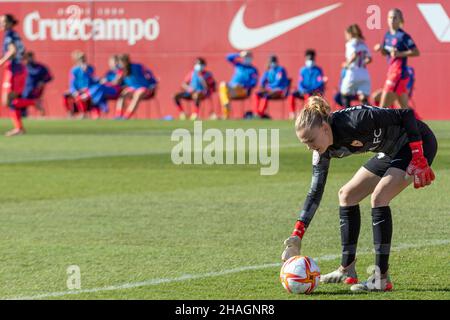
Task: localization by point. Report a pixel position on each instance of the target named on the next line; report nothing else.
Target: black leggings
(197, 97)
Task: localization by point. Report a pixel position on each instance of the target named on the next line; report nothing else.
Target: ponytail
(355, 31)
(316, 111)
(11, 19)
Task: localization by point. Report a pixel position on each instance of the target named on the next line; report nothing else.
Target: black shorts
(381, 162)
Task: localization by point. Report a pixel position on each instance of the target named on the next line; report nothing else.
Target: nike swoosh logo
(377, 223)
(437, 19)
(243, 38)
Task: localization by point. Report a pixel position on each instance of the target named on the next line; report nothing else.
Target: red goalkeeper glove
(299, 229)
(294, 242)
(418, 167)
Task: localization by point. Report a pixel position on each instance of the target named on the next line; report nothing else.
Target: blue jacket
(36, 73)
(310, 79)
(244, 75)
(202, 81)
(275, 79)
(140, 77)
(81, 79)
(100, 93)
(110, 75)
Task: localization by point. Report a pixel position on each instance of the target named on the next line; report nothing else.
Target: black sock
(382, 235)
(350, 223)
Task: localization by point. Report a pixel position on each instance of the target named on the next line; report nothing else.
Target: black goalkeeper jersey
(356, 130)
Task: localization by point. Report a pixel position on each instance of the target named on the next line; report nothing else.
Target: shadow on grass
(347, 292)
(338, 292)
(430, 290)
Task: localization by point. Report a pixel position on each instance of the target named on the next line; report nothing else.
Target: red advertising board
(168, 35)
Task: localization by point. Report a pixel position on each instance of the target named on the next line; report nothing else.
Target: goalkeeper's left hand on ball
(294, 242)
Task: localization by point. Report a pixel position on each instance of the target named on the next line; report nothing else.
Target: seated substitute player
(198, 85)
(38, 76)
(311, 81)
(397, 46)
(108, 88)
(140, 84)
(405, 148)
(81, 78)
(14, 74)
(273, 85)
(244, 79)
(113, 78)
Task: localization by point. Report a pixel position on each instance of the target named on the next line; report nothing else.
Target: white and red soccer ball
(300, 274)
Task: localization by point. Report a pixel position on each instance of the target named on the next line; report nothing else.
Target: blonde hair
(78, 55)
(315, 113)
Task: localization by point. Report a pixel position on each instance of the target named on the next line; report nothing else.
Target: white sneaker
(341, 275)
(194, 116)
(182, 116)
(374, 283)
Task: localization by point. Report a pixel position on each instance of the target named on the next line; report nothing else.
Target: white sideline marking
(187, 277)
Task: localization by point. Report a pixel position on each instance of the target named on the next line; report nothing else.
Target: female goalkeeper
(405, 149)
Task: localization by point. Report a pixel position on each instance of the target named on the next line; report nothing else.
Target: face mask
(248, 60)
(309, 63)
(273, 65)
(199, 67)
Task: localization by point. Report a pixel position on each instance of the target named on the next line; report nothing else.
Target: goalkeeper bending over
(405, 149)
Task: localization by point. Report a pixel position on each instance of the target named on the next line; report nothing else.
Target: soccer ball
(300, 274)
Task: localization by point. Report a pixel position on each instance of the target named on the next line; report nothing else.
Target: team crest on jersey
(357, 143)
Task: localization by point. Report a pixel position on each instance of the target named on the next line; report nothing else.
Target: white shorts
(356, 82)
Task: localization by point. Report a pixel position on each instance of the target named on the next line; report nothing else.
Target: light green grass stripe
(187, 277)
(128, 154)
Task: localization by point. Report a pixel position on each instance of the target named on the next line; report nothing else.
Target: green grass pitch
(105, 196)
